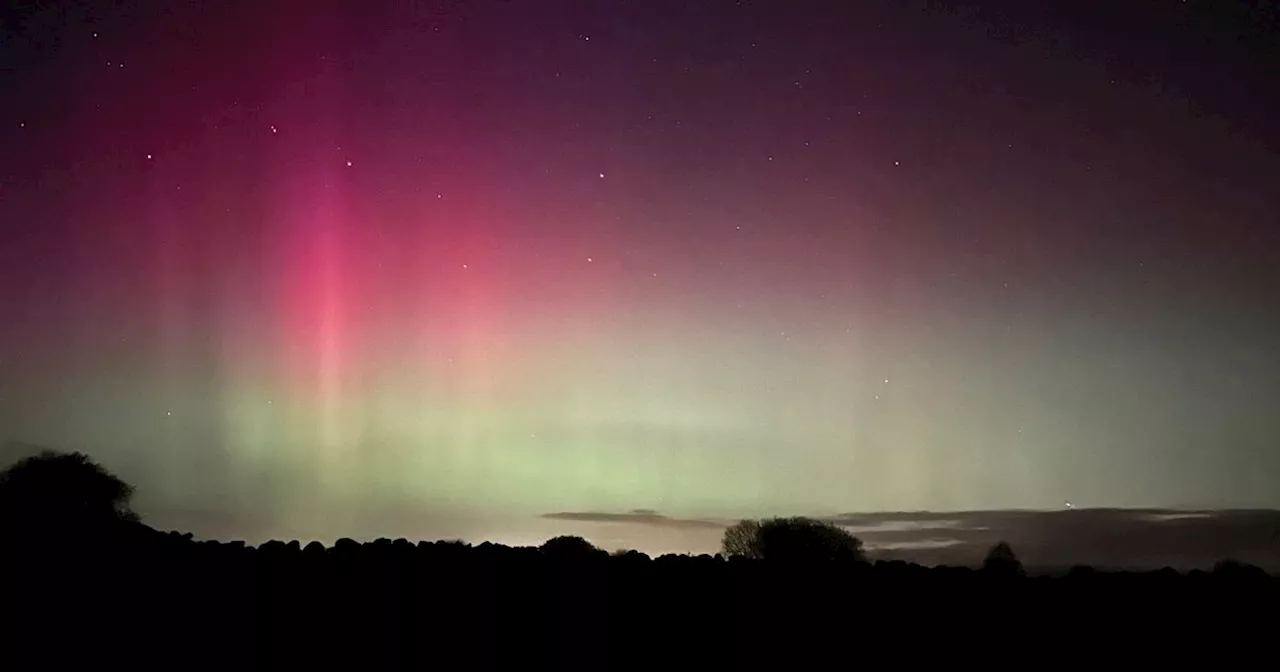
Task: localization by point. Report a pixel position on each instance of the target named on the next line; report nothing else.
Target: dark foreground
(157, 601)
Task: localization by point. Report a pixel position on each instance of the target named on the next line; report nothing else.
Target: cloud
(638, 517)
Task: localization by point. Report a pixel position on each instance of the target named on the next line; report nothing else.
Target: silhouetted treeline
(152, 596)
(130, 597)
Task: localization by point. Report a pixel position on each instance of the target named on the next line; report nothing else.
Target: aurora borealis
(334, 268)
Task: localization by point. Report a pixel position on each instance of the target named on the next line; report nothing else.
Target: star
(348, 164)
(589, 260)
(148, 157)
(273, 129)
(896, 163)
(168, 412)
(464, 265)
(601, 175)
(886, 381)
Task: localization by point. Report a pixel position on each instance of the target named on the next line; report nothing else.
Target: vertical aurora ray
(311, 271)
(315, 308)
(172, 264)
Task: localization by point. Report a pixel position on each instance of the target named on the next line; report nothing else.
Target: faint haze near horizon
(1045, 539)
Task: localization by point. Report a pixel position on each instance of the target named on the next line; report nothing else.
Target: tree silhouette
(54, 492)
(791, 539)
(1002, 560)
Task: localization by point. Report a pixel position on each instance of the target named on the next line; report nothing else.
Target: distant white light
(589, 260)
(148, 157)
(348, 164)
(1069, 506)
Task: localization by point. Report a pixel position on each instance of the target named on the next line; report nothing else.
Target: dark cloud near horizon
(1103, 537)
(1122, 538)
(636, 516)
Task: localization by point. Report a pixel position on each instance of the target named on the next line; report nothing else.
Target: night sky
(333, 268)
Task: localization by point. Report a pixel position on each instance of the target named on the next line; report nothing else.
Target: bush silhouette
(570, 548)
(1002, 560)
(791, 539)
(54, 492)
